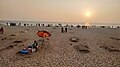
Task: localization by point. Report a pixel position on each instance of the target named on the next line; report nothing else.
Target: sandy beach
(95, 47)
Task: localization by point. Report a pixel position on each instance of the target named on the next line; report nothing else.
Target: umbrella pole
(43, 40)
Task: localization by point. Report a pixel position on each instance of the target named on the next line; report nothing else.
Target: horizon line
(63, 22)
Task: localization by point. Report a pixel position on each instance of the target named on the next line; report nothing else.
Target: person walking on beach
(1, 30)
(66, 29)
(62, 30)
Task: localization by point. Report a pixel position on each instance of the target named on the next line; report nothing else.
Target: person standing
(66, 29)
(62, 30)
(2, 30)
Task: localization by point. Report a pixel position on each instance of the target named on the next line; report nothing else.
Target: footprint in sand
(8, 47)
(17, 41)
(114, 38)
(20, 41)
(82, 48)
(12, 35)
(109, 48)
(4, 38)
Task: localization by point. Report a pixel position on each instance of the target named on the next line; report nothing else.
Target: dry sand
(94, 48)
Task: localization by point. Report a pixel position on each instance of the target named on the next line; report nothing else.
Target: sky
(93, 11)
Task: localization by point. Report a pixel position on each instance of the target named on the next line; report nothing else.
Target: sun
(88, 14)
(87, 24)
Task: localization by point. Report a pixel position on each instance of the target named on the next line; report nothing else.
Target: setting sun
(88, 14)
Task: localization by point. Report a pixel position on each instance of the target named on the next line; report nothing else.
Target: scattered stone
(110, 48)
(17, 42)
(1, 49)
(70, 44)
(114, 38)
(4, 38)
(114, 50)
(7, 38)
(12, 35)
(84, 51)
(11, 46)
(104, 47)
(84, 46)
(74, 39)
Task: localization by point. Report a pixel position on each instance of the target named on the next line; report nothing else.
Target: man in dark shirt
(66, 29)
(62, 30)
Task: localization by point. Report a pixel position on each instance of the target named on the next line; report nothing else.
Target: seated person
(33, 46)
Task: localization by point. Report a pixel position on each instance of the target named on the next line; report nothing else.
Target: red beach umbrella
(43, 34)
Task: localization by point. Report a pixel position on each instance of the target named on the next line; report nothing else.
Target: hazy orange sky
(61, 10)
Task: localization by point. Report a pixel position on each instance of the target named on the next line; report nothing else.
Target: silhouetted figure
(62, 30)
(24, 24)
(118, 27)
(12, 24)
(66, 29)
(7, 24)
(19, 24)
(38, 24)
(78, 26)
(1, 30)
(84, 27)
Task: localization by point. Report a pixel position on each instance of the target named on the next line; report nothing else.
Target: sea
(35, 23)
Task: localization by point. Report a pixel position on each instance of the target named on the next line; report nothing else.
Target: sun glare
(88, 14)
